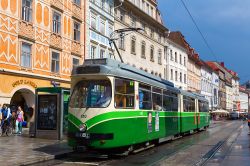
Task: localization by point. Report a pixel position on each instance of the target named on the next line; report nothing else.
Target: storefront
(17, 90)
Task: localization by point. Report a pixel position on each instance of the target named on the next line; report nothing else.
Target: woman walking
(20, 120)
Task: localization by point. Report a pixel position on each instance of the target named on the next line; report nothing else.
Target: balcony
(26, 30)
(76, 47)
(58, 4)
(77, 12)
(56, 40)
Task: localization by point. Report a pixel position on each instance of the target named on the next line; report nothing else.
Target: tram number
(82, 135)
(83, 116)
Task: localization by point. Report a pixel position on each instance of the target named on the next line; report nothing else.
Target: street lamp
(121, 2)
(122, 34)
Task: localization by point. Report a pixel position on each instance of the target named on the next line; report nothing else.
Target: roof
(178, 38)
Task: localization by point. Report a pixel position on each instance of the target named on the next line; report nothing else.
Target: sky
(224, 23)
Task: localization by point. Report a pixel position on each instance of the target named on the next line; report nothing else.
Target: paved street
(22, 150)
(224, 143)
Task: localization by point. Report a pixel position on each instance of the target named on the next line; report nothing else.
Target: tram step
(143, 148)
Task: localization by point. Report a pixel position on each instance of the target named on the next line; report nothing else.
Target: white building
(100, 18)
(177, 60)
(215, 90)
(143, 49)
(243, 100)
(206, 83)
(236, 93)
(229, 97)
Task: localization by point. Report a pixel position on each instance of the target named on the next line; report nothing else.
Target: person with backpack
(6, 115)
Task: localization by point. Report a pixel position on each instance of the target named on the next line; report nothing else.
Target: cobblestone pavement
(22, 150)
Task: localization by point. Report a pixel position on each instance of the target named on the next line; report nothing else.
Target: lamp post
(122, 34)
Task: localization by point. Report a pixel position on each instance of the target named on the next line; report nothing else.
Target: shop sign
(24, 82)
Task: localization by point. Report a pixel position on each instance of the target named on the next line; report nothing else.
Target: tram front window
(91, 94)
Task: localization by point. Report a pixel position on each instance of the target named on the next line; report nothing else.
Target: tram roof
(115, 68)
(194, 95)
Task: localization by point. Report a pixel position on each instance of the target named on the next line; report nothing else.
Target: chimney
(222, 64)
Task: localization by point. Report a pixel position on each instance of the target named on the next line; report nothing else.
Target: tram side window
(157, 99)
(124, 93)
(203, 106)
(188, 104)
(145, 102)
(170, 101)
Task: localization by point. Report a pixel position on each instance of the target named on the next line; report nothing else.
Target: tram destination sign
(88, 69)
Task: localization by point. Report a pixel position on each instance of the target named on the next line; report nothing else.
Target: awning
(220, 112)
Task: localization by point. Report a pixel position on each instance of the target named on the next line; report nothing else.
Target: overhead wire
(203, 37)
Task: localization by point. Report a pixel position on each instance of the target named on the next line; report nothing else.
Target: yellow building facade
(40, 42)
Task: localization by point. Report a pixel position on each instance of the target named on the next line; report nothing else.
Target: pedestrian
(1, 116)
(20, 119)
(6, 115)
(248, 122)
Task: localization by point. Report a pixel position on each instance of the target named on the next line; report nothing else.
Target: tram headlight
(83, 127)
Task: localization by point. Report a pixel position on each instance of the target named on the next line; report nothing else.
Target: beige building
(143, 49)
(194, 72)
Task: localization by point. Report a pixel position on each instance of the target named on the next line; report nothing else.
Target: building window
(76, 31)
(56, 23)
(110, 29)
(159, 57)
(102, 53)
(147, 9)
(184, 61)
(143, 49)
(143, 5)
(175, 54)
(26, 55)
(176, 76)
(122, 43)
(102, 26)
(27, 10)
(152, 33)
(122, 16)
(171, 74)
(55, 62)
(133, 45)
(75, 62)
(152, 53)
(77, 2)
(133, 22)
(171, 55)
(93, 21)
(185, 78)
(92, 52)
(180, 77)
(102, 4)
(180, 59)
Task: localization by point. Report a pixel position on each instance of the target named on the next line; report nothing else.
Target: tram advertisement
(157, 122)
(149, 122)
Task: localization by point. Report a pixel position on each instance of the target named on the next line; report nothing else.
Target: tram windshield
(91, 94)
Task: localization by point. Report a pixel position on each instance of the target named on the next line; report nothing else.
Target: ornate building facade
(144, 49)
(40, 42)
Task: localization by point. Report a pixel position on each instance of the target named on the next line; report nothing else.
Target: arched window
(152, 72)
(175, 54)
(152, 53)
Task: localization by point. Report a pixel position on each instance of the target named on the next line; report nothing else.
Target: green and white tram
(114, 105)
